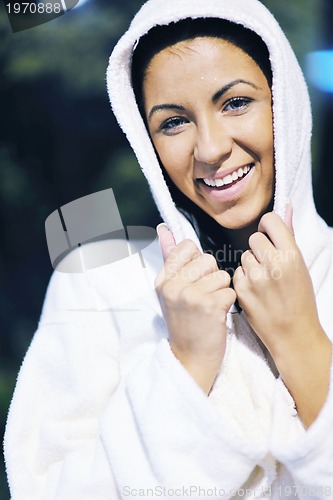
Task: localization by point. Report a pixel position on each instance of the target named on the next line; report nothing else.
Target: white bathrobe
(102, 408)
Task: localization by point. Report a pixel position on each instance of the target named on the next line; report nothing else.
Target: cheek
(267, 134)
(174, 154)
(268, 137)
(258, 135)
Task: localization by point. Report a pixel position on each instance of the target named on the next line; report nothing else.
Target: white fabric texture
(102, 408)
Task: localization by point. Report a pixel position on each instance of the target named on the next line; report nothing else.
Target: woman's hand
(274, 287)
(195, 297)
(275, 290)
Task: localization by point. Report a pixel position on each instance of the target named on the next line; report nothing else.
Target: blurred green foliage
(59, 141)
(301, 21)
(70, 48)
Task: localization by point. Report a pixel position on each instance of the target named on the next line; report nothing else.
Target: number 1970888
(33, 8)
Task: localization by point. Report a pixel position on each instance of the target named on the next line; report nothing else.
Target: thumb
(166, 239)
(288, 218)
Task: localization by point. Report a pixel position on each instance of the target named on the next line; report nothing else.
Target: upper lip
(224, 173)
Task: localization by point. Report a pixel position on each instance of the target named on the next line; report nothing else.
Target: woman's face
(208, 108)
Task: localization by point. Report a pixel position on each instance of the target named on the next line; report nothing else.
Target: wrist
(305, 370)
(202, 368)
(299, 346)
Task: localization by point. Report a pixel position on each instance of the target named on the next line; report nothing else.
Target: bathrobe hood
(291, 111)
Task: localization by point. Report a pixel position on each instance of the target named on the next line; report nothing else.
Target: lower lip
(229, 193)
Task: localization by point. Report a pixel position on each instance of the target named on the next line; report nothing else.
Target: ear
(166, 239)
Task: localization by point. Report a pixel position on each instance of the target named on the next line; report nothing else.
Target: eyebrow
(227, 87)
(159, 107)
(215, 97)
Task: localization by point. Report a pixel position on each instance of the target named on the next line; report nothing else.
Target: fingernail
(161, 227)
(289, 206)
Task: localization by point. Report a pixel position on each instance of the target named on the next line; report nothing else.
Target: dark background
(59, 141)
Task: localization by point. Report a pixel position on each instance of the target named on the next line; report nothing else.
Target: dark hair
(161, 37)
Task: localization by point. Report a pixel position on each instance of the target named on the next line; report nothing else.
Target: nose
(213, 142)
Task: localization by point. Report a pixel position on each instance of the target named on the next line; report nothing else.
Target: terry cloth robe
(103, 409)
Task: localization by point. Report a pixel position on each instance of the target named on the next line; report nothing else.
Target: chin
(241, 219)
(236, 225)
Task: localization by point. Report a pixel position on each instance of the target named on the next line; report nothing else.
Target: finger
(178, 257)
(198, 267)
(251, 267)
(288, 218)
(220, 299)
(238, 276)
(212, 282)
(273, 226)
(226, 298)
(166, 239)
(240, 284)
(261, 247)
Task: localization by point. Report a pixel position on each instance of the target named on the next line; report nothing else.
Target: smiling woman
(205, 97)
(168, 389)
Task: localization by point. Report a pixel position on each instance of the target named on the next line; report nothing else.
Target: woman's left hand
(274, 288)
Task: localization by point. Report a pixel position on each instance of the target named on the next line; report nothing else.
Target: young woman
(177, 391)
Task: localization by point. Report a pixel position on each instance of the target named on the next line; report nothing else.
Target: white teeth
(228, 179)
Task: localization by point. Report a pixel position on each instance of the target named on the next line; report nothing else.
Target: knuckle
(237, 274)
(226, 279)
(209, 305)
(232, 296)
(187, 297)
(257, 275)
(245, 256)
(267, 218)
(240, 285)
(209, 260)
(168, 290)
(255, 238)
(191, 299)
(191, 273)
(184, 251)
(189, 245)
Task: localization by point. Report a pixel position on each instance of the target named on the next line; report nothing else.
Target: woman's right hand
(195, 297)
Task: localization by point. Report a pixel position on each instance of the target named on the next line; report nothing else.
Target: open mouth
(229, 180)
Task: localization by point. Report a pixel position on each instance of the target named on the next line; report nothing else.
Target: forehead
(202, 59)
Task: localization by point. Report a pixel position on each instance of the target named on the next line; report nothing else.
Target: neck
(231, 244)
(228, 245)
